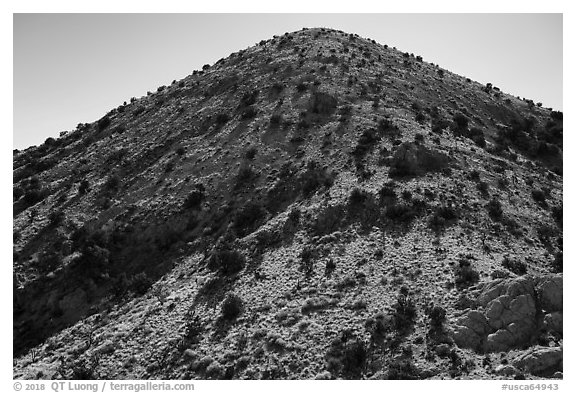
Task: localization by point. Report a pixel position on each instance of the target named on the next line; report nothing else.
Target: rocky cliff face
(318, 205)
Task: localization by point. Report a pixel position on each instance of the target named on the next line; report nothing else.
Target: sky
(73, 68)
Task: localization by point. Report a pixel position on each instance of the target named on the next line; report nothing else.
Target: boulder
(506, 370)
(540, 361)
(554, 322)
(549, 291)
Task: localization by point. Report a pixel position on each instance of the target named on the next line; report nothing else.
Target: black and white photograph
(287, 196)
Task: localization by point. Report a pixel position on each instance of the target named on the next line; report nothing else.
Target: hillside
(318, 205)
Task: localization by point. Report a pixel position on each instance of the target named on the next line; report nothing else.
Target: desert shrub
(347, 354)
(195, 198)
(307, 257)
(514, 265)
(400, 212)
(403, 311)
(301, 87)
(368, 139)
(482, 187)
(322, 103)
(546, 232)
(33, 196)
(420, 117)
(248, 99)
(315, 177)
(103, 123)
(387, 194)
(140, 283)
(193, 329)
(465, 274)
(221, 119)
(442, 216)
(494, 208)
(460, 122)
(275, 119)
(539, 196)
(247, 217)
(180, 151)
(84, 187)
(251, 153)
(477, 136)
(112, 183)
(557, 115)
(437, 317)
(55, 218)
(249, 113)
(245, 174)
(403, 369)
(357, 197)
(226, 260)
(231, 307)
(438, 125)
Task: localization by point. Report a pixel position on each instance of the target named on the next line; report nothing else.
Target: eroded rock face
(510, 313)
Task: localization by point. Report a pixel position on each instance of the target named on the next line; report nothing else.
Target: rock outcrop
(510, 313)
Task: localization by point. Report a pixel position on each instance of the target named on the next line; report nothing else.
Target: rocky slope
(318, 205)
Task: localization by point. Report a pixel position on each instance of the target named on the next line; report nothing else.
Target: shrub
(482, 187)
(323, 103)
(227, 261)
(33, 196)
(84, 187)
(251, 153)
(246, 218)
(477, 136)
(347, 354)
(301, 87)
(221, 119)
(195, 198)
(315, 177)
(460, 121)
(403, 369)
(354, 356)
(420, 117)
(140, 283)
(245, 174)
(494, 208)
(249, 113)
(387, 194)
(112, 183)
(56, 217)
(404, 311)
(275, 120)
(515, 266)
(357, 197)
(231, 307)
(465, 274)
(539, 196)
(400, 212)
(103, 123)
(248, 99)
(442, 216)
(437, 315)
(307, 257)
